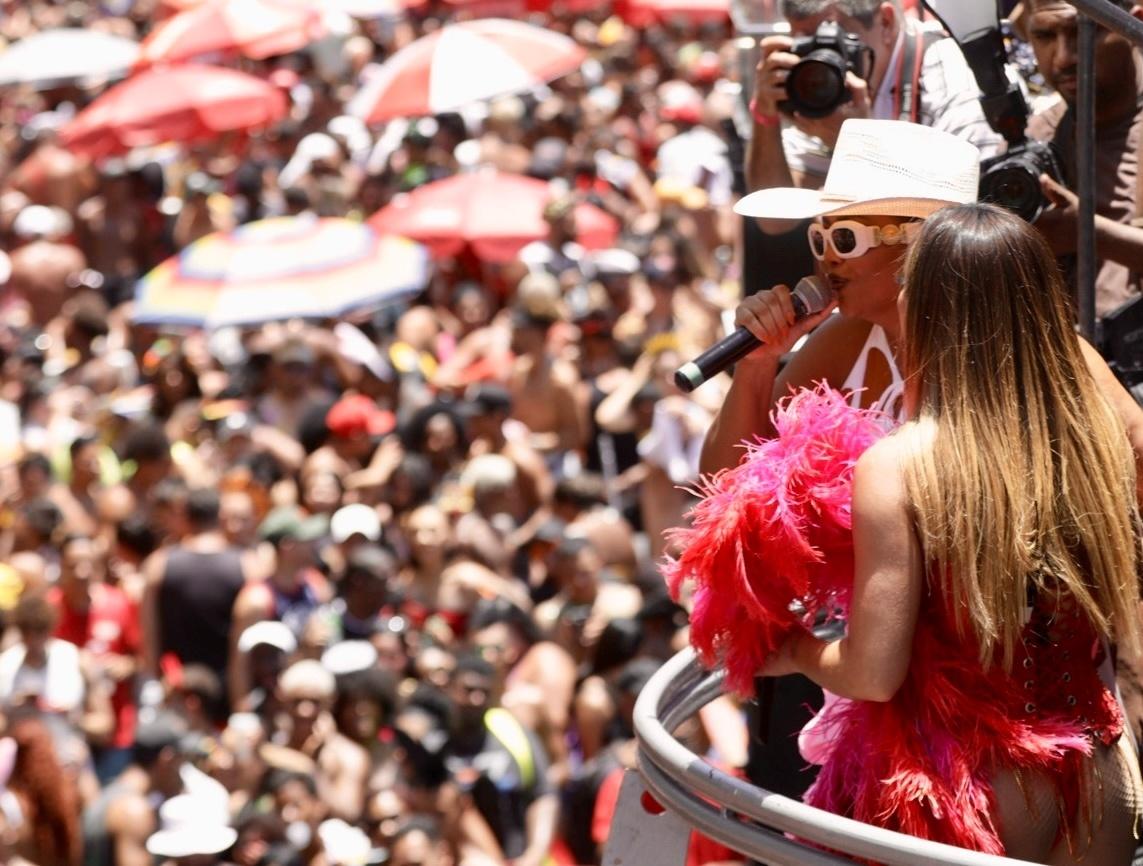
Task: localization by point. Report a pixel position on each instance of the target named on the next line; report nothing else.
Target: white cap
(613, 262)
(356, 519)
(269, 632)
(41, 221)
(349, 656)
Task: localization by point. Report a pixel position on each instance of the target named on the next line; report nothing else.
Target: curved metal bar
(749, 839)
(678, 690)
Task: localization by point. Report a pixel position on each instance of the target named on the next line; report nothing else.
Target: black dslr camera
(816, 86)
(1012, 179)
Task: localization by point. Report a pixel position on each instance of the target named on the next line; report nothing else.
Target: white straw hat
(880, 168)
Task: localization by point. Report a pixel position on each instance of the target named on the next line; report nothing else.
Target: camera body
(816, 85)
(1012, 179)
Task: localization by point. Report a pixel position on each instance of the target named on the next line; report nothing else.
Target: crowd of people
(384, 589)
(379, 590)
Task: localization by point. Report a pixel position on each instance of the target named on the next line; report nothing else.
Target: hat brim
(191, 841)
(792, 203)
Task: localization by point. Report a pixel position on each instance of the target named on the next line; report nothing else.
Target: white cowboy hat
(880, 168)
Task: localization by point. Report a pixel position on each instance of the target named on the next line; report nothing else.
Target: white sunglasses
(851, 239)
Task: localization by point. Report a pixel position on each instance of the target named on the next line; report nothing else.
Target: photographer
(1051, 28)
(943, 96)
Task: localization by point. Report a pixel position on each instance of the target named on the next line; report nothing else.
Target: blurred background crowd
(375, 582)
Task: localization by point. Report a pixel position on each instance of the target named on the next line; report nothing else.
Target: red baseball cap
(358, 415)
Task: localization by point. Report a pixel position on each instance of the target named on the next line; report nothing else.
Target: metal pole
(1085, 178)
(1112, 17)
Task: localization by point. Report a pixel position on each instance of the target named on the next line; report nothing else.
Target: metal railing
(756, 822)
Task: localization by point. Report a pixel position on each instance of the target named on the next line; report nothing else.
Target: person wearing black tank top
(190, 590)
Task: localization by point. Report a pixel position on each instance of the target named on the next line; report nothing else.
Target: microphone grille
(814, 292)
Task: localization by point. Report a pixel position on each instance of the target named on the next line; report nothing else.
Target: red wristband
(763, 119)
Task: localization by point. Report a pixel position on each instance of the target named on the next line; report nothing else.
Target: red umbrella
(354, 8)
(643, 13)
(183, 104)
(253, 28)
(496, 213)
(490, 8)
(464, 63)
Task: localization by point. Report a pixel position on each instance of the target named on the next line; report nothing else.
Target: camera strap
(908, 91)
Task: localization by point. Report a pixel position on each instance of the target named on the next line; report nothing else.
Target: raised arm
(745, 413)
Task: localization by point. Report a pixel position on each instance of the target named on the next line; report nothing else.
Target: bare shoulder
(828, 355)
(564, 375)
(880, 472)
(547, 659)
(130, 815)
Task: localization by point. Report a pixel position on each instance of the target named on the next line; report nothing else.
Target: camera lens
(1014, 187)
(816, 86)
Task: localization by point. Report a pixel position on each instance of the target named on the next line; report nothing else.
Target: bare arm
(249, 608)
(1114, 241)
(342, 782)
(540, 822)
(149, 614)
(766, 165)
(614, 413)
(870, 663)
(1130, 412)
(281, 446)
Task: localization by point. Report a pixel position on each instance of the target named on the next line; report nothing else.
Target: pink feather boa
(771, 541)
(773, 531)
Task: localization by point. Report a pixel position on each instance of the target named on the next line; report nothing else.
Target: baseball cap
(268, 633)
(294, 352)
(349, 656)
(355, 519)
(358, 415)
(289, 521)
(164, 730)
(613, 263)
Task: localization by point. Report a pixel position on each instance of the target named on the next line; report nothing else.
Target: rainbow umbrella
(280, 268)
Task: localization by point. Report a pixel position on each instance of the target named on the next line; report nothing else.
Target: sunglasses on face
(851, 239)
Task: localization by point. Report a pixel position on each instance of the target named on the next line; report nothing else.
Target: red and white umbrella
(181, 103)
(494, 213)
(252, 28)
(464, 63)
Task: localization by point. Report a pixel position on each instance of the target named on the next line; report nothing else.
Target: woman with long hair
(39, 804)
(997, 567)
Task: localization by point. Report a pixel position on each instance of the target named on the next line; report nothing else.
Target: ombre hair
(1023, 476)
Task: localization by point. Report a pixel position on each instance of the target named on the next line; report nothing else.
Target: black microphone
(811, 295)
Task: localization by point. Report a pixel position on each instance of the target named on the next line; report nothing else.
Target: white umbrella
(67, 54)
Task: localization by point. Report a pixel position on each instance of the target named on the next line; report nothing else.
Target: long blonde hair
(1023, 476)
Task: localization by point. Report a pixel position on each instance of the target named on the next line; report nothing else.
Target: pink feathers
(772, 532)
